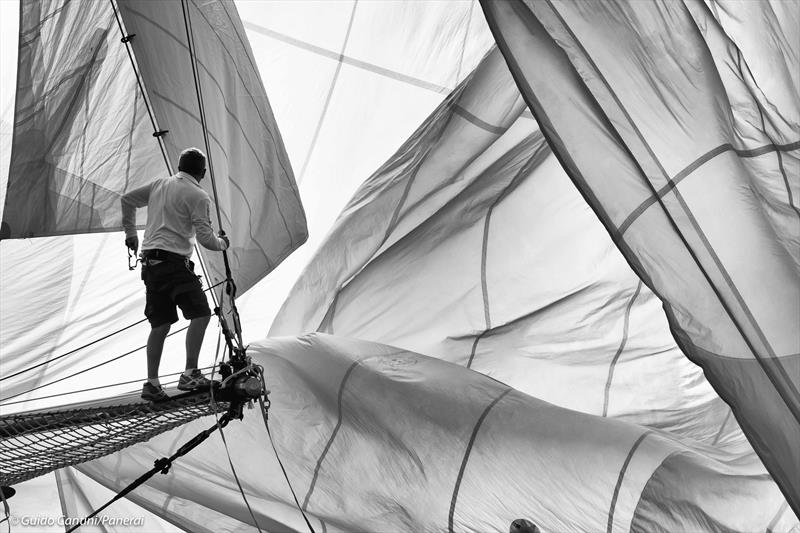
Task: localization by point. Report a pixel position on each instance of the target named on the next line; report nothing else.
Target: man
(177, 210)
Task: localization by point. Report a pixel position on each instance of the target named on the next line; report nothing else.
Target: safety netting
(35, 443)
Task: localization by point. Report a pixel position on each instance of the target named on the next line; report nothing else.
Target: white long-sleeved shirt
(177, 210)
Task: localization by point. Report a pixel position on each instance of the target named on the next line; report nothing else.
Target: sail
(376, 438)
(85, 119)
(474, 217)
(205, 90)
(685, 139)
(349, 81)
(81, 131)
(481, 252)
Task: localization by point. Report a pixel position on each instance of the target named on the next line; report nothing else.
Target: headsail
(691, 158)
(83, 126)
(81, 132)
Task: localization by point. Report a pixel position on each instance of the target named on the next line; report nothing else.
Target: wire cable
(264, 414)
(109, 386)
(161, 465)
(79, 348)
(224, 441)
(2, 400)
(157, 133)
(231, 286)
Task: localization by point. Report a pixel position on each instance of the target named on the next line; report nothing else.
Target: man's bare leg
(155, 345)
(194, 340)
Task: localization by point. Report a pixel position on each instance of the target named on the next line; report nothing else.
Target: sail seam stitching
(491, 128)
(697, 163)
(328, 97)
(465, 459)
(335, 432)
(623, 342)
(363, 65)
(620, 479)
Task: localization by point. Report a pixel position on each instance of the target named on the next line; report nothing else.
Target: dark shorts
(170, 284)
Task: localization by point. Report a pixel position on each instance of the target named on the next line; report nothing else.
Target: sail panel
(711, 232)
(382, 439)
(81, 132)
(474, 217)
(256, 193)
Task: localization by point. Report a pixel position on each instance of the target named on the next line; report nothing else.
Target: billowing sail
(684, 137)
(85, 117)
(82, 136)
(482, 252)
(376, 438)
(191, 53)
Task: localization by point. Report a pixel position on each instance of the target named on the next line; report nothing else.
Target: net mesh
(33, 444)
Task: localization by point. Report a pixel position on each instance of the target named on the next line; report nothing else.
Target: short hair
(192, 161)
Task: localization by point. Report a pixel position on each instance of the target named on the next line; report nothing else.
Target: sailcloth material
(376, 438)
(82, 136)
(683, 134)
(430, 258)
(255, 188)
(481, 252)
(84, 124)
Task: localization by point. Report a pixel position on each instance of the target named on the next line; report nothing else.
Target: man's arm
(130, 202)
(201, 220)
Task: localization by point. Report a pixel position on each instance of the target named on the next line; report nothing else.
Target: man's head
(193, 162)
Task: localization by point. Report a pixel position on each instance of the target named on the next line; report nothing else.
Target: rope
(161, 465)
(264, 415)
(231, 286)
(111, 385)
(85, 369)
(222, 434)
(187, 20)
(126, 39)
(79, 348)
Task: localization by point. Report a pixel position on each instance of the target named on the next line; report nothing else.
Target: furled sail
(84, 123)
(684, 137)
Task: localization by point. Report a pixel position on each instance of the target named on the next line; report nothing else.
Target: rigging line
(161, 465)
(85, 369)
(150, 113)
(110, 385)
(79, 348)
(206, 275)
(225, 442)
(265, 417)
(128, 46)
(230, 461)
(231, 287)
(187, 20)
(28, 369)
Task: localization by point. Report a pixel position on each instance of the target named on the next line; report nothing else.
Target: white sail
(659, 120)
(349, 82)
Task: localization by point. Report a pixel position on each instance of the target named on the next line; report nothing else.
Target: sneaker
(194, 382)
(152, 393)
